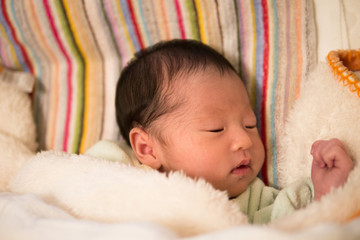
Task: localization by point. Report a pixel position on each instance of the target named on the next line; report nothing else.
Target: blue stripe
(273, 94)
(28, 46)
(259, 59)
(25, 42)
(36, 58)
(143, 22)
(9, 35)
(129, 24)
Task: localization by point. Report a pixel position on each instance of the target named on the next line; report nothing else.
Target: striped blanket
(76, 50)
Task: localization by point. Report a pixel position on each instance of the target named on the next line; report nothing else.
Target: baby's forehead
(181, 84)
(190, 85)
(186, 77)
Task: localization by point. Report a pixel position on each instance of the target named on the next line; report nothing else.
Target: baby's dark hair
(140, 96)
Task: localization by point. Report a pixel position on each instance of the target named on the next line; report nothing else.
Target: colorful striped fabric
(76, 50)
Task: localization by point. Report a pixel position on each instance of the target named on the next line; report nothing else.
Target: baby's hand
(331, 166)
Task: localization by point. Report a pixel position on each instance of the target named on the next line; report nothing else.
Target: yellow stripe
(123, 23)
(86, 74)
(92, 76)
(12, 50)
(202, 31)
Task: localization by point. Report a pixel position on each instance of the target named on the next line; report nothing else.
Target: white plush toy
(17, 127)
(328, 107)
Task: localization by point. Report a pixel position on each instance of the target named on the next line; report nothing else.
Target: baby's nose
(242, 141)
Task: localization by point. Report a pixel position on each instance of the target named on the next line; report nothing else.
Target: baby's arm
(331, 166)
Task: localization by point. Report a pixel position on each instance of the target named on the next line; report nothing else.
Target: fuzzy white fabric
(28, 217)
(325, 109)
(338, 206)
(16, 116)
(13, 156)
(96, 189)
(17, 130)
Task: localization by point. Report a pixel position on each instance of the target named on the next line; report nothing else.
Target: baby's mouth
(243, 168)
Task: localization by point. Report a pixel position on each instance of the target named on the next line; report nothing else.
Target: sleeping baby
(181, 106)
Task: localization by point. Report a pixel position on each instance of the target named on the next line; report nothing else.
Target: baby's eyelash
(251, 127)
(216, 130)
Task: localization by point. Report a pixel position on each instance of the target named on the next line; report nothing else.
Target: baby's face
(213, 134)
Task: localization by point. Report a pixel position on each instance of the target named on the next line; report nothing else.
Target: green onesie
(264, 204)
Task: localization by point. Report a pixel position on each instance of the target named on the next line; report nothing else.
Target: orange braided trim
(343, 62)
(356, 215)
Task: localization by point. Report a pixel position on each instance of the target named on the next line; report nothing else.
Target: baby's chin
(234, 194)
(237, 190)
(234, 191)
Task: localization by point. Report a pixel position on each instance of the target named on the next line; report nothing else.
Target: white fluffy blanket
(96, 189)
(54, 195)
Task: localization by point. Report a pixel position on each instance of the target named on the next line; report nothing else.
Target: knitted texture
(343, 63)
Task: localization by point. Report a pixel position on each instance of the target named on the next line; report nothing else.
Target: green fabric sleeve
(298, 195)
(264, 204)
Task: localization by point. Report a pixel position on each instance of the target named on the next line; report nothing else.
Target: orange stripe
(166, 20)
(298, 48)
(355, 215)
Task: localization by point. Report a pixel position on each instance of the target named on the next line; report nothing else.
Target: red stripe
(133, 19)
(265, 81)
(22, 49)
(180, 19)
(68, 74)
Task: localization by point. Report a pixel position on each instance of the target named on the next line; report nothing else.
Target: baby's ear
(142, 145)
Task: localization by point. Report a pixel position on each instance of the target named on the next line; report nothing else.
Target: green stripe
(80, 76)
(190, 6)
(238, 38)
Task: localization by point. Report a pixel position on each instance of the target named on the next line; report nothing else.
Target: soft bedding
(54, 194)
(19, 221)
(73, 50)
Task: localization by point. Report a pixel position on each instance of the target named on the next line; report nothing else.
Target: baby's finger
(315, 146)
(317, 152)
(319, 162)
(334, 142)
(331, 152)
(337, 157)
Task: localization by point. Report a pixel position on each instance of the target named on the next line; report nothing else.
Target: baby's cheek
(259, 153)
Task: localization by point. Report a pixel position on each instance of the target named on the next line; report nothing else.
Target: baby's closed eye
(217, 130)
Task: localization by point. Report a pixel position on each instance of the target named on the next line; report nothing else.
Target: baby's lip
(243, 167)
(244, 162)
